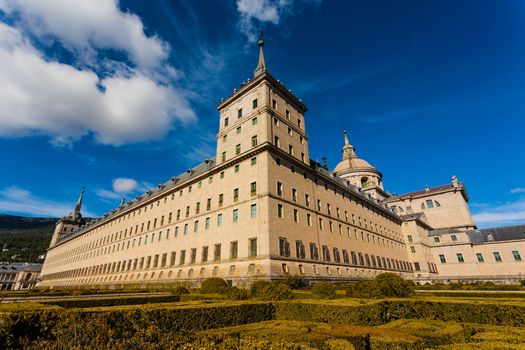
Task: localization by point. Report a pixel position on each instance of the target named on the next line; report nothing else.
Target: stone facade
(19, 276)
(261, 209)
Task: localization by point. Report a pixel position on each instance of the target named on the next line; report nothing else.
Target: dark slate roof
(198, 170)
(412, 216)
(497, 234)
(139, 200)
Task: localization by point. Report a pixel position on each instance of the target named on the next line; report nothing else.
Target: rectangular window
(237, 168)
(254, 103)
(307, 200)
(223, 156)
(235, 195)
(238, 130)
(453, 237)
(417, 267)
(346, 258)
(235, 215)
(182, 257)
(321, 223)
(193, 255)
(294, 194)
(173, 256)
(460, 257)
(442, 259)
(219, 220)
(299, 250)
(409, 237)
(204, 253)
(480, 258)
(326, 253)
(274, 104)
(290, 150)
(284, 247)
(198, 208)
(208, 204)
(207, 223)
(187, 212)
(237, 149)
(234, 249)
(253, 188)
(226, 122)
(314, 254)
(279, 189)
(412, 249)
(252, 247)
(239, 113)
(309, 219)
(497, 256)
(337, 257)
(185, 228)
(280, 211)
(253, 161)
(196, 226)
(224, 138)
(296, 215)
(288, 114)
(516, 255)
(253, 211)
(217, 252)
(221, 200)
(254, 141)
(276, 141)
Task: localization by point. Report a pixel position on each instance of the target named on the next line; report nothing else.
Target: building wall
(418, 249)
(471, 268)
(452, 212)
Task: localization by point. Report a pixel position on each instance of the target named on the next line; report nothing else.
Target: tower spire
(76, 215)
(348, 149)
(346, 137)
(261, 67)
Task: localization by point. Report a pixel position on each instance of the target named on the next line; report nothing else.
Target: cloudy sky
(118, 96)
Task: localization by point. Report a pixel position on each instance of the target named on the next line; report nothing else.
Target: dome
(353, 164)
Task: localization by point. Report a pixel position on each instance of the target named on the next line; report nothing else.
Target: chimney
(324, 163)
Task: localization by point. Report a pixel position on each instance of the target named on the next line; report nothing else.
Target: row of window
(152, 224)
(294, 196)
(143, 240)
(356, 257)
(160, 260)
(480, 258)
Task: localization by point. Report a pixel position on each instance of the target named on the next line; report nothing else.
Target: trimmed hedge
(323, 290)
(213, 285)
(386, 311)
(84, 303)
(76, 328)
(275, 291)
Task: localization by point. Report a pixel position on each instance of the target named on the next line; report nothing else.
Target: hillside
(23, 239)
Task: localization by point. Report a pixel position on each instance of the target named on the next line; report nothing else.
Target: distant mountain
(24, 239)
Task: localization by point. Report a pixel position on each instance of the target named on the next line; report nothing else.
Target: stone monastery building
(261, 209)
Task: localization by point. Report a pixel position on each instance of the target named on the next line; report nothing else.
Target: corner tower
(261, 112)
(69, 223)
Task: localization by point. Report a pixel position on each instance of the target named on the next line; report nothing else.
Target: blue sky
(119, 96)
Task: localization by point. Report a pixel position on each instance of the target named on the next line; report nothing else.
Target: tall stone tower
(262, 111)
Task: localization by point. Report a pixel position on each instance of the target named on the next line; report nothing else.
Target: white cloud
(253, 12)
(122, 187)
(517, 190)
(502, 214)
(66, 103)
(87, 25)
(14, 199)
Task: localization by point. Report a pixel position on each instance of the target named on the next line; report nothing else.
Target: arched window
(437, 204)
(429, 203)
(422, 205)
(364, 182)
(394, 209)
